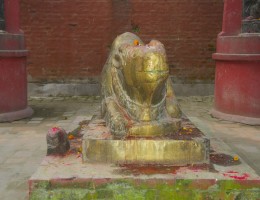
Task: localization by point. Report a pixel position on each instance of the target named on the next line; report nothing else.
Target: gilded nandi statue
(137, 94)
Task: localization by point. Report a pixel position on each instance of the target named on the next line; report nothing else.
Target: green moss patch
(133, 190)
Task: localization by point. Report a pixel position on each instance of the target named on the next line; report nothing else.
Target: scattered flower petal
(136, 42)
(236, 158)
(71, 137)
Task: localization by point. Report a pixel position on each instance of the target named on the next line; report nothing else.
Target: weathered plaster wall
(69, 40)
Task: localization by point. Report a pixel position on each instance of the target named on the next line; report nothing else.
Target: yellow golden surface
(140, 110)
(173, 152)
(138, 97)
(155, 128)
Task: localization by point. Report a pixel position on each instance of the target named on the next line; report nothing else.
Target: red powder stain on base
(230, 174)
(136, 169)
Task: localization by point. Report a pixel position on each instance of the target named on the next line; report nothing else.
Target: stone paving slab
(23, 144)
(239, 136)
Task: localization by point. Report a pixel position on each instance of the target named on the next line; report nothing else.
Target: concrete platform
(226, 177)
(68, 178)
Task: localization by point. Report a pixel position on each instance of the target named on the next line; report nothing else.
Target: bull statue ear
(118, 60)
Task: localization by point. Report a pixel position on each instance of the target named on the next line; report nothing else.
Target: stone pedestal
(67, 177)
(183, 148)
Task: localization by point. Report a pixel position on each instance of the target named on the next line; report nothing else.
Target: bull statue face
(145, 73)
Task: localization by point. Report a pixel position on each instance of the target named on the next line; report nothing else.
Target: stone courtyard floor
(23, 142)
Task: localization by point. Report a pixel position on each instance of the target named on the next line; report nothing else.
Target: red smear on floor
(244, 176)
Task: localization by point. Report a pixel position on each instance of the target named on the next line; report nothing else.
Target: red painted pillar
(232, 17)
(13, 75)
(237, 82)
(12, 16)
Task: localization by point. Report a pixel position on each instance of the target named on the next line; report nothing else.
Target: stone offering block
(188, 146)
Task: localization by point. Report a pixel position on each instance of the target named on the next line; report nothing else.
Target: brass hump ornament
(137, 94)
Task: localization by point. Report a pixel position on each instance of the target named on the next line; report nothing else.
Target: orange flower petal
(136, 42)
(236, 158)
(71, 137)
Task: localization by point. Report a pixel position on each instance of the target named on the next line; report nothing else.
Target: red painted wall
(70, 40)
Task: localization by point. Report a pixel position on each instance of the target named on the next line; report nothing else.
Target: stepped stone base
(67, 177)
(180, 149)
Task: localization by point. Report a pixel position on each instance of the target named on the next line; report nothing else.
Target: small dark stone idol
(57, 141)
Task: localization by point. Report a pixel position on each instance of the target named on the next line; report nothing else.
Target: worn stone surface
(68, 90)
(180, 149)
(23, 144)
(68, 176)
(20, 138)
(230, 132)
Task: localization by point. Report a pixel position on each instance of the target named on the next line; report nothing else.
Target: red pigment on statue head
(55, 129)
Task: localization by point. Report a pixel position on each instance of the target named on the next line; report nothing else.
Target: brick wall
(70, 40)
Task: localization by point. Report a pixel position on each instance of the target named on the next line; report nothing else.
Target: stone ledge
(64, 177)
(81, 89)
(235, 118)
(16, 115)
(63, 89)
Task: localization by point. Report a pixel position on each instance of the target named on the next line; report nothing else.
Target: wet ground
(23, 142)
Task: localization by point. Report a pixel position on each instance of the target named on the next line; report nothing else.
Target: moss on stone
(131, 190)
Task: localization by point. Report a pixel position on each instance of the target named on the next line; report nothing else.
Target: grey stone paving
(243, 139)
(23, 145)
